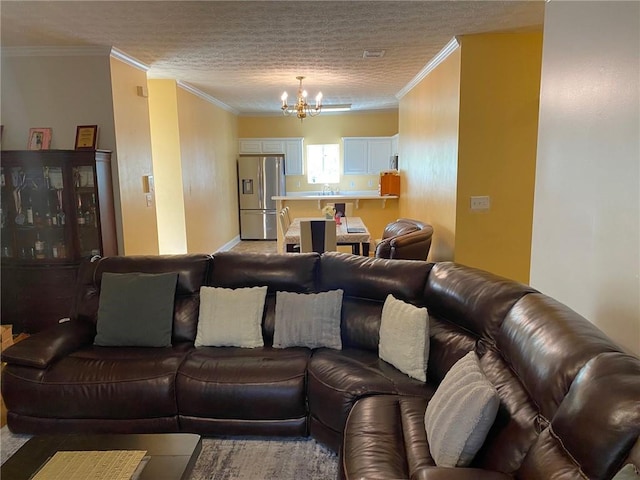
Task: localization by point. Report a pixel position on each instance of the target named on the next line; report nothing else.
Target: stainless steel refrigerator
(259, 179)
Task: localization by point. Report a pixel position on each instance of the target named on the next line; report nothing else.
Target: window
(323, 164)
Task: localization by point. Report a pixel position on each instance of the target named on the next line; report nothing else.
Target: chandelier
(301, 108)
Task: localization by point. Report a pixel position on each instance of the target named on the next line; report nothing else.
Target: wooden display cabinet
(56, 210)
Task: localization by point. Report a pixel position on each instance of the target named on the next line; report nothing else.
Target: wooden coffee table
(173, 455)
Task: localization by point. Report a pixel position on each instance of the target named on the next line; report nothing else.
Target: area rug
(241, 458)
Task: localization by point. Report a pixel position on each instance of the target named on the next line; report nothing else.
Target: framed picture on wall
(39, 139)
(86, 137)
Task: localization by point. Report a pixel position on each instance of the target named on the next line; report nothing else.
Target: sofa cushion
(136, 310)
(337, 379)
(99, 383)
(404, 337)
(460, 414)
(243, 384)
(231, 317)
(400, 227)
(308, 320)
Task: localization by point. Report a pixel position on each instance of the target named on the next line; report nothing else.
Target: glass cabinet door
(87, 211)
(35, 213)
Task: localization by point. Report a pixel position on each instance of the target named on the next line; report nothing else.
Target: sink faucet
(326, 189)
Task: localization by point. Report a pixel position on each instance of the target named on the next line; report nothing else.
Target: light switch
(480, 203)
(149, 197)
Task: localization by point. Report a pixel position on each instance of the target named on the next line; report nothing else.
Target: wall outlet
(298, 184)
(352, 184)
(370, 183)
(480, 203)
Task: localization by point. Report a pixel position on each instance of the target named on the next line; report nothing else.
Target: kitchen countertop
(348, 195)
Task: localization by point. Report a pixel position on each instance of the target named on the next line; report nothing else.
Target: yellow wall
(167, 166)
(499, 92)
(326, 128)
(428, 156)
(133, 144)
(208, 146)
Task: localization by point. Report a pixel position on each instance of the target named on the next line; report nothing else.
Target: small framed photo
(39, 139)
(86, 137)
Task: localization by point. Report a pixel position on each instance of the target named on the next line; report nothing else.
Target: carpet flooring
(241, 458)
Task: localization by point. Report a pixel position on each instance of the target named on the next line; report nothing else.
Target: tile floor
(256, 246)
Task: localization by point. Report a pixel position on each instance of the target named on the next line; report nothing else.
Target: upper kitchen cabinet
(56, 209)
(367, 155)
(290, 147)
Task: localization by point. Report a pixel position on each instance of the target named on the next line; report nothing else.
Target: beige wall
(428, 157)
(586, 226)
(59, 91)
(208, 146)
(133, 143)
(167, 166)
(499, 91)
(326, 128)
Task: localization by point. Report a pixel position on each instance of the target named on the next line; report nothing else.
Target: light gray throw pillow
(404, 337)
(308, 320)
(628, 472)
(461, 413)
(231, 317)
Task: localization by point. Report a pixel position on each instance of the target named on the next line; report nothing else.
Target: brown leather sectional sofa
(570, 398)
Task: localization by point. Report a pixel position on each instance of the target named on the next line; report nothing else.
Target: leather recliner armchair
(405, 239)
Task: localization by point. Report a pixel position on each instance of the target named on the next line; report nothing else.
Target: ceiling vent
(373, 54)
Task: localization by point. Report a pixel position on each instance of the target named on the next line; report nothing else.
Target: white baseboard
(230, 244)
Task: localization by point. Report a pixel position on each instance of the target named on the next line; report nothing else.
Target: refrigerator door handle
(260, 185)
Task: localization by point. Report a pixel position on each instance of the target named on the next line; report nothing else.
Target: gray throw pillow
(308, 320)
(136, 310)
(628, 472)
(461, 413)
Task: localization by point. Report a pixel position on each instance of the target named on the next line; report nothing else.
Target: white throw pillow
(308, 320)
(461, 413)
(231, 317)
(404, 337)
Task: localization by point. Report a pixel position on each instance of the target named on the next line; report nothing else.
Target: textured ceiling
(245, 53)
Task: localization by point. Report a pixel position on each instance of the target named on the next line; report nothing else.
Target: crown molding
(448, 49)
(55, 51)
(207, 97)
(128, 59)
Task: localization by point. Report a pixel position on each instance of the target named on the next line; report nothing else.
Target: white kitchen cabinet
(273, 146)
(293, 157)
(366, 155)
(379, 155)
(248, 146)
(356, 153)
(290, 147)
(395, 144)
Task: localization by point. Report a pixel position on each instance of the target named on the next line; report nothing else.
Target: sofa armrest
(444, 473)
(43, 348)
(410, 238)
